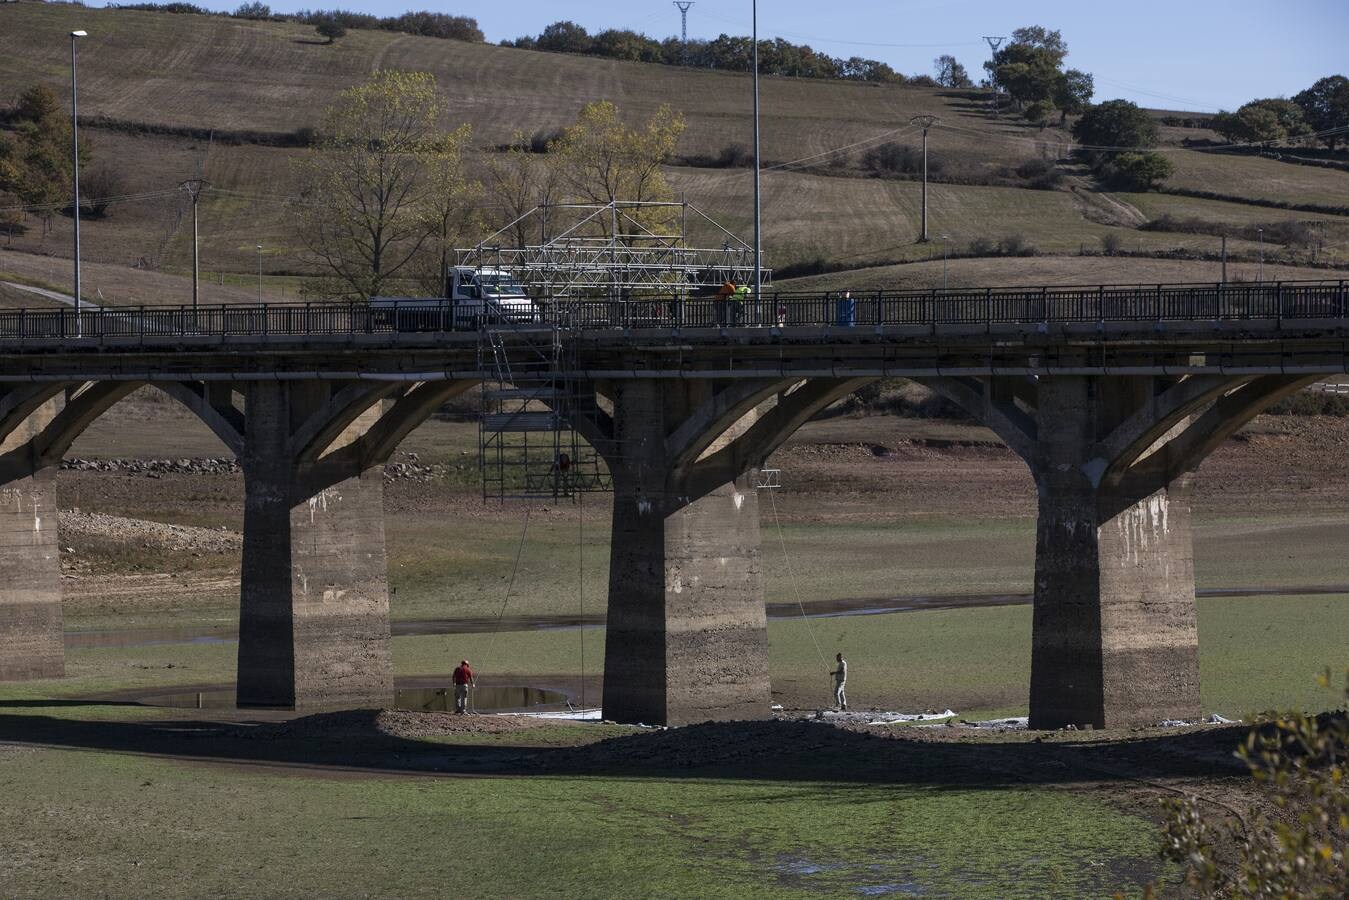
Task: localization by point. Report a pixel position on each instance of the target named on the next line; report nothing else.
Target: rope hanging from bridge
(510, 584)
(791, 577)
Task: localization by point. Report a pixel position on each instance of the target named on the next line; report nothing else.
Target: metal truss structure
(616, 250)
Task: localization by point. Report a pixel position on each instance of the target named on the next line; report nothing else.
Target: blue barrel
(845, 311)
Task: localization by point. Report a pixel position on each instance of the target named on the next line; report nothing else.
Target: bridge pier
(687, 637)
(31, 640)
(1114, 640)
(314, 600)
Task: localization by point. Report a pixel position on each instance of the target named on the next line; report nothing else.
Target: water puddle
(485, 699)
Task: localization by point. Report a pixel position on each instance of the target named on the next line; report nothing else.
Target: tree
(40, 156)
(1039, 112)
(1072, 93)
(1261, 121)
(1295, 846)
(601, 160)
(97, 185)
(519, 180)
(37, 104)
(1116, 124)
(1325, 105)
(331, 29)
(371, 186)
(565, 37)
(449, 207)
(254, 10)
(950, 73)
(1028, 67)
(1138, 171)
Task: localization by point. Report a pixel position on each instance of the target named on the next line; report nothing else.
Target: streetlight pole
(758, 234)
(945, 249)
(75, 167)
(924, 122)
(259, 273)
(1260, 272)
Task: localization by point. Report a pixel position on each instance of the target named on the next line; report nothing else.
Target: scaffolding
(616, 250)
(528, 446)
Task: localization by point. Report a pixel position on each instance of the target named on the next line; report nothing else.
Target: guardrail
(1271, 301)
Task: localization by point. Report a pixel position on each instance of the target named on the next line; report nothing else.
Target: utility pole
(1260, 273)
(684, 20)
(758, 236)
(75, 168)
(925, 122)
(994, 42)
(194, 187)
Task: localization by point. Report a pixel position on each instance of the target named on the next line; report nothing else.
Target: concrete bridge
(1112, 397)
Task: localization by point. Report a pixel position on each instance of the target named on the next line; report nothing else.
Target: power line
(830, 40)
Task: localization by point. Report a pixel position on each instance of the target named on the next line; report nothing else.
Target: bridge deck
(1271, 327)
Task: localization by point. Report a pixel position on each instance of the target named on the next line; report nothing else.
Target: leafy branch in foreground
(1292, 848)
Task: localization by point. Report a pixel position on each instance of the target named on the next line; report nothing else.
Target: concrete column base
(314, 614)
(31, 641)
(687, 637)
(1115, 640)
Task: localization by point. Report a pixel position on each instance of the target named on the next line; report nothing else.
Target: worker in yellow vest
(739, 304)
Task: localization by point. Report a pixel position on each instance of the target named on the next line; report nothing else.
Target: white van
(473, 297)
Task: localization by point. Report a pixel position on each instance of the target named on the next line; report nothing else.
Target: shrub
(1312, 403)
(1111, 243)
(735, 156)
(1040, 174)
(982, 246)
(1136, 171)
(97, 186)
(1295, 846)
(1015, 244)
(253, 10)
(331, 29)
(900, 159)
(540, 140)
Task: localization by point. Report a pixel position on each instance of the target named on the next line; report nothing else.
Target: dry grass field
(226, 79)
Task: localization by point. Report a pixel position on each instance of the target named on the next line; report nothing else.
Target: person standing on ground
(840, 679)
(463, 679)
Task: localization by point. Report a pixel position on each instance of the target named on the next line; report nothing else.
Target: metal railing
(1270, 301)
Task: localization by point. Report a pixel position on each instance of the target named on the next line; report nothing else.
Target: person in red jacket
(463, 679)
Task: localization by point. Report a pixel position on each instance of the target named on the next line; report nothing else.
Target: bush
(1312, 403)
(1040, 174)
(735, 156)
(1292, 846)
(97, 185)
(1136, 171)
(331, 29)
(253, 10)
(1015, 244)
(900, 159)
(1111, 243)
(542, 138)
(982, 246)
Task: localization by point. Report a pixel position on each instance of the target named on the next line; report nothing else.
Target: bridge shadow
(788, 751)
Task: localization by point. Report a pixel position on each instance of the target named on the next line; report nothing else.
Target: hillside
(168, 97)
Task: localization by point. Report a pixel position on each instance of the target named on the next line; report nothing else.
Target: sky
(1201, 55)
